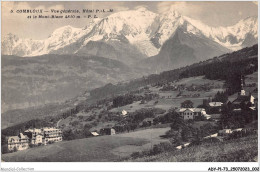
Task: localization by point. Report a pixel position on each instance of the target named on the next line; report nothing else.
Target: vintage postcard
(129, 81)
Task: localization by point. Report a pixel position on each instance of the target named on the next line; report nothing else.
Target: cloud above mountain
(183, 7)
(212, 13)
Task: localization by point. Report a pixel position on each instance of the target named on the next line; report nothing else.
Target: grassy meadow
(95, 149)
(238, 150)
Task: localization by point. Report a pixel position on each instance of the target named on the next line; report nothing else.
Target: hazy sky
(211, 13)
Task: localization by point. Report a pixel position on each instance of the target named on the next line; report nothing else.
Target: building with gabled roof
(35, 137)
(51, 134)
(20, 142)
(94, 133)
(192, 113)
(215, 104)
(36, 140)
(243, 99)
(107, 131)
(44, 135)
(225, 131)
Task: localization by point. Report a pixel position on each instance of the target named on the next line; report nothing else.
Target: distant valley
(28, 82)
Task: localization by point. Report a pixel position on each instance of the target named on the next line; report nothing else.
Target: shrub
(31, 145)
(68, 134)
(75, 123)
(211, 140)
(80, 117)
(15, 149)
(135, 155)
(88, 126)
(162, 147)
(50, 142)
(145, 124)
(171, 133)
(187, 104)
(4, 149)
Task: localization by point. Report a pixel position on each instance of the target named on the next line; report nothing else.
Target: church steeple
(242, 92)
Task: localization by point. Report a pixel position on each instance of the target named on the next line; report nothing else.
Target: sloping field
(169, 99)
(96, 149)
(152, 136)
(198, 80)
(82, 150)
(249, 79)
(237, 150)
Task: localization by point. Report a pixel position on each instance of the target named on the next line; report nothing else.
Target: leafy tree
(68, 134)
(75, 123)
(221, 97)
(133, 126)
(187, 104)
(176, 139)
(80, 117)
(207, 129)
(145, 124)
(86, 129)
(15, 149)
(186, 133)
(4, 148)
(178, 123)
(3, 139)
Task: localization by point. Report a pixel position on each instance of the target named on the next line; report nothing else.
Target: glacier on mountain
(141, 28)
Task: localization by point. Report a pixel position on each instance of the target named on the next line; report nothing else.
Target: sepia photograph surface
(129, 81)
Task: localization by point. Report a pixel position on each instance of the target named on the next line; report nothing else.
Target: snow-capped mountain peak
(141, 28)
(172, 12)
(231, 37)
(128, 22)
(11, 36)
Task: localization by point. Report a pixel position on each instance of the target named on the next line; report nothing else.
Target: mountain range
(135, 34)
(121, 46)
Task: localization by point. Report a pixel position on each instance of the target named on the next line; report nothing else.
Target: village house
(215, 104)
(94, 133)
(107, 131)
(179, 147)
(214, 135)
(20, 142)
(215, 107)
(124, 113)
(224, 132)
(238, 130)
(193, 113)
(186, 144)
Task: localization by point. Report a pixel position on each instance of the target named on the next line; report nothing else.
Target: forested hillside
(238, 63)
(234, 64)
